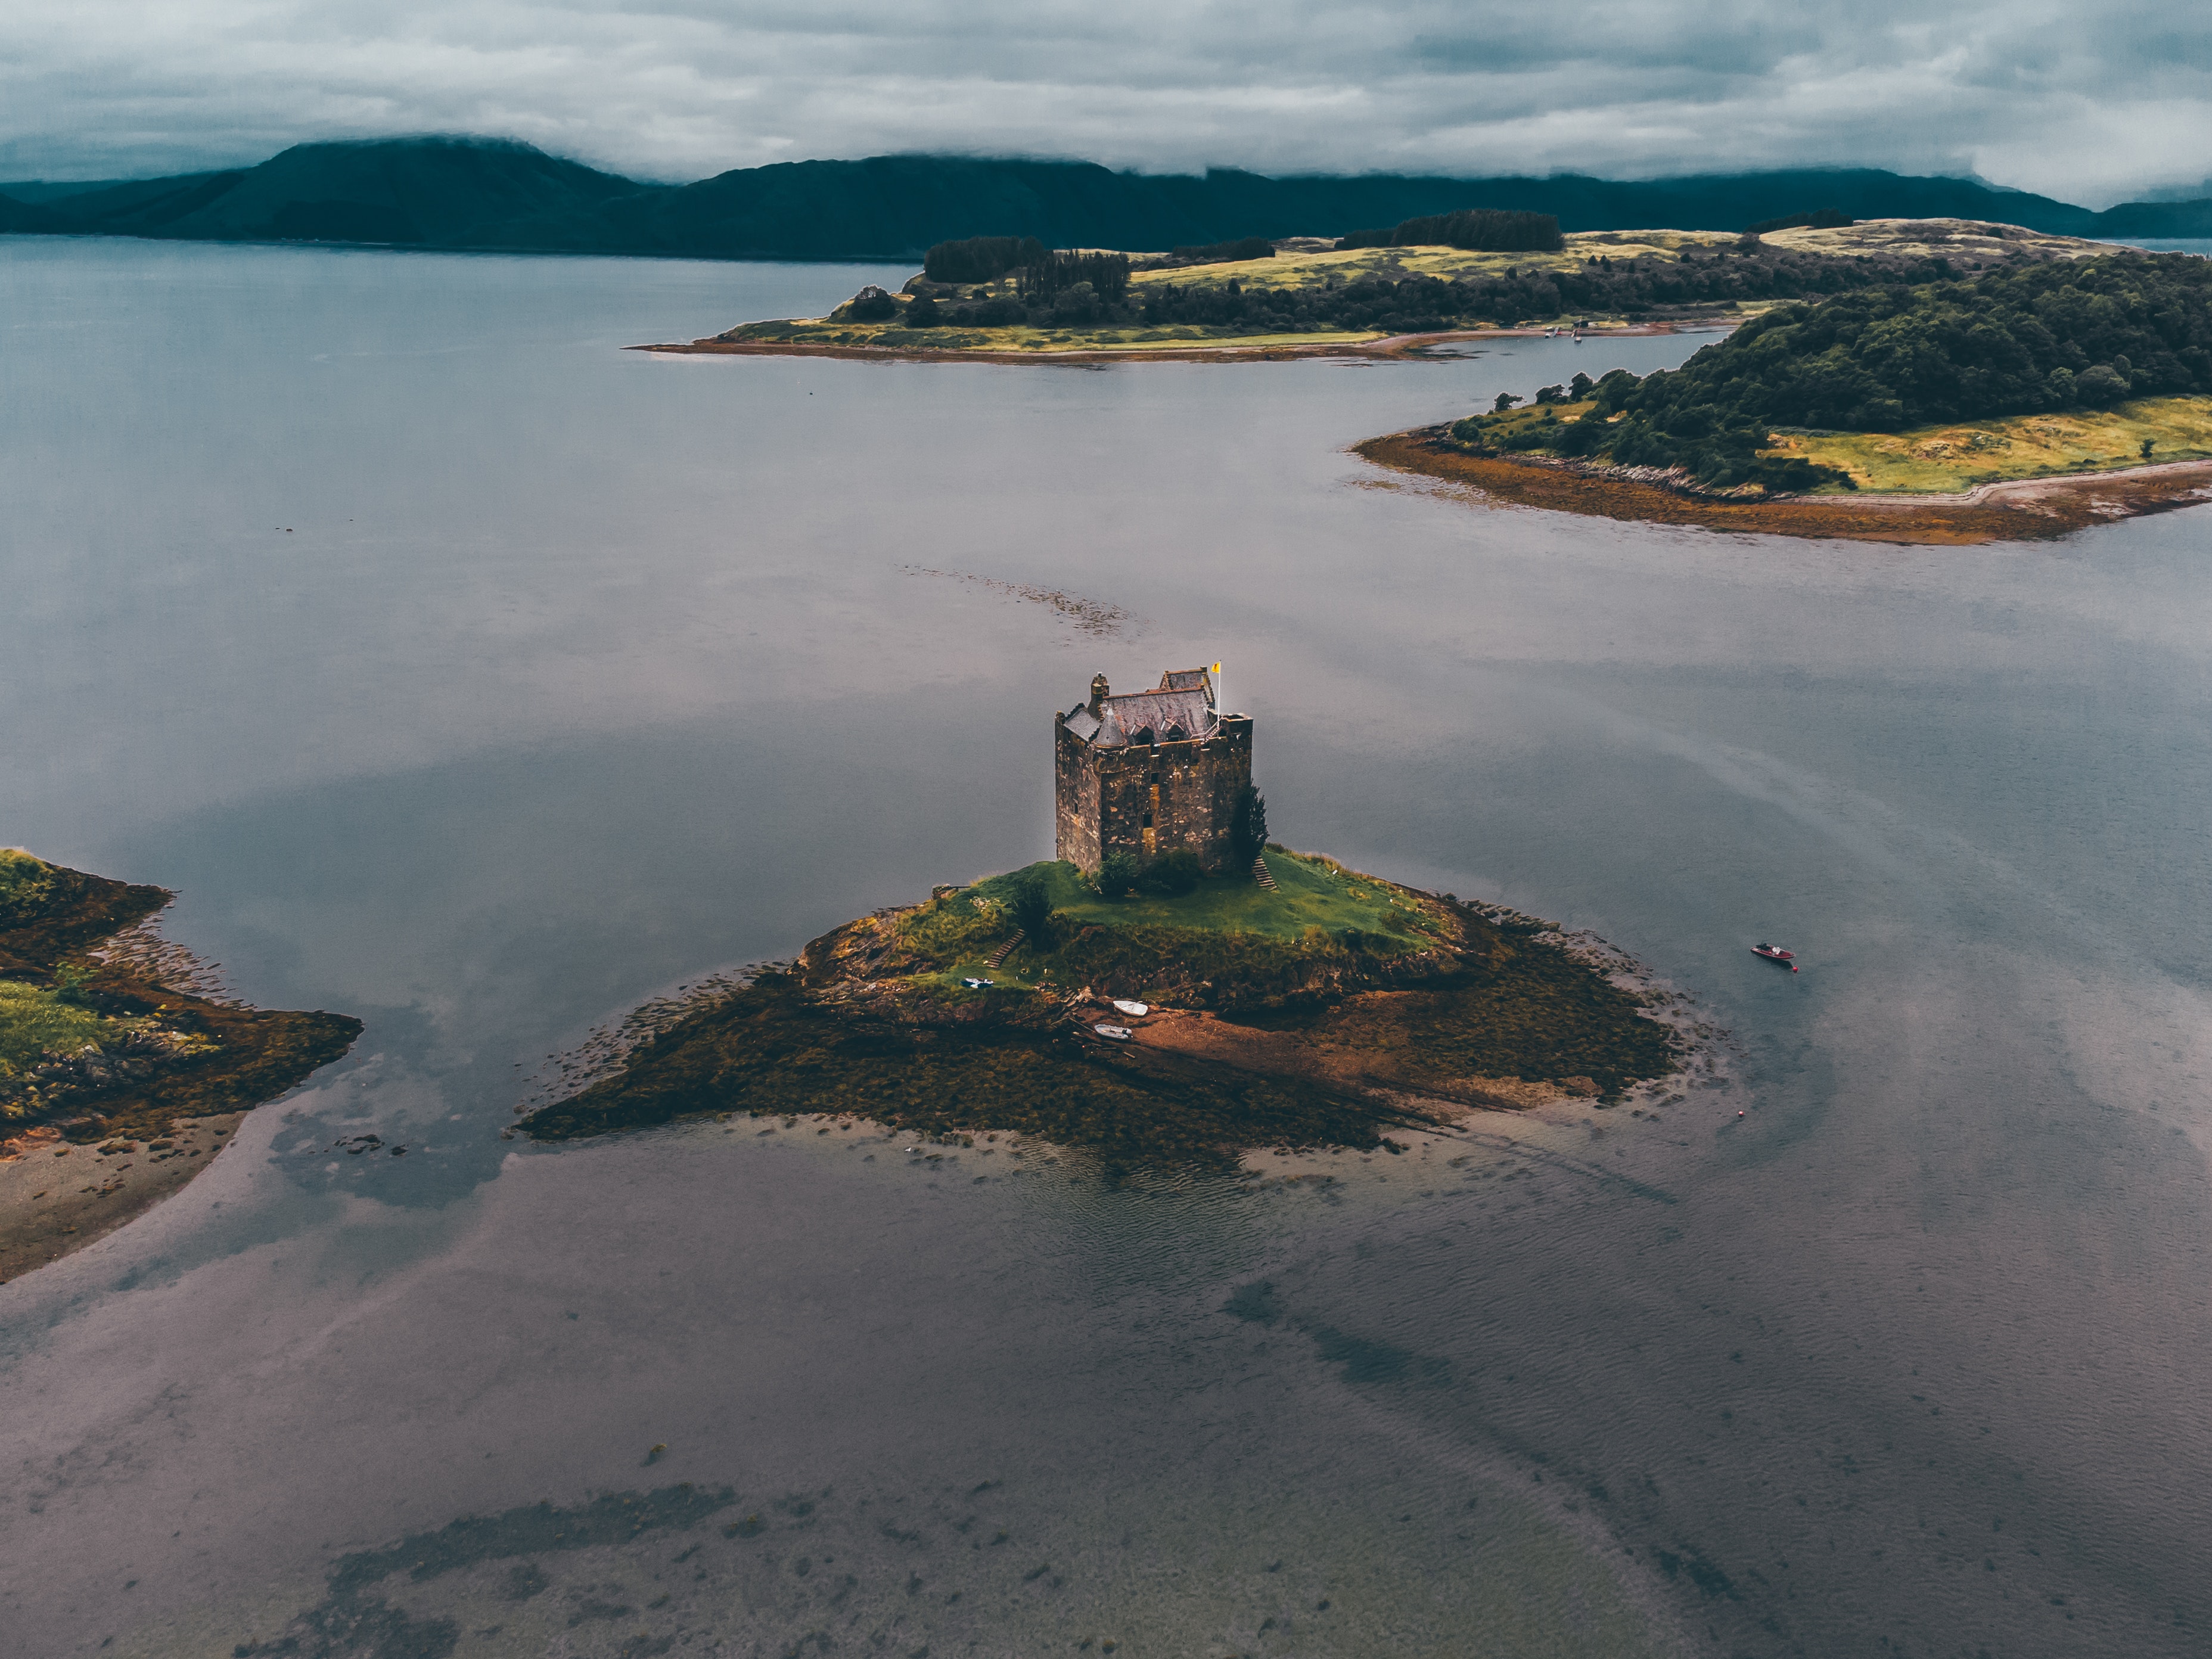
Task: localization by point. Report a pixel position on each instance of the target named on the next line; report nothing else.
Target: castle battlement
(1152, 772)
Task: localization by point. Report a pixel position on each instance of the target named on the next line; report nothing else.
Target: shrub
(921, 313)
(871, 305)
(1172, 874)
(26, 884)
(1117, 874)
(1028, 904)
(2100, 383)
(1248, 826)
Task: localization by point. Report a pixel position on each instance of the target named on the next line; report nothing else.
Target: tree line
(1483, 230)
(2048, 336)
(1063, 289)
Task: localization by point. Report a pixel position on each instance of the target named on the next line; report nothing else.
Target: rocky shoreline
(1248, 1039)
(2011, 510)
(163, 1070)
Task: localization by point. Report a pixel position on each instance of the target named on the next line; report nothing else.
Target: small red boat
(1776, 953)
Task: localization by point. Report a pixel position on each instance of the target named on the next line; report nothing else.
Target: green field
(1948, 459)
(1944, 459)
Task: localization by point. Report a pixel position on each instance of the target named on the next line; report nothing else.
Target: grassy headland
(105, 1043)
(1310, 296)
(1322, 1013)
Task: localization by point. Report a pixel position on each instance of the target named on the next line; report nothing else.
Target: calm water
(466, 672)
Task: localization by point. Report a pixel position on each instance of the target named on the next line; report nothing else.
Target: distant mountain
(477, 193)
(17, 218)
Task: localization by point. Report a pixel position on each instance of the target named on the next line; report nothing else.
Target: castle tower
(1150, 772)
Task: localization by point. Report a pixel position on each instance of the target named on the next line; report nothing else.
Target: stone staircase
(1259, 873)
(997, 958)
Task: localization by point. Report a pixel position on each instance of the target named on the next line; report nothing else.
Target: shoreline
(1334, 1009)
(2029, 509)
(1411, 347)
(112, 1110)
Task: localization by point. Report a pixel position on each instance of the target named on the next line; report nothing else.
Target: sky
(2087, 101)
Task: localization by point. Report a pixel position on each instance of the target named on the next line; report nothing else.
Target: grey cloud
(2090, 103)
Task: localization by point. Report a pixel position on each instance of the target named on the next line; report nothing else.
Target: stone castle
(1148, 772)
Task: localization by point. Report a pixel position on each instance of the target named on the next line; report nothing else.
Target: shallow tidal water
(468, 674)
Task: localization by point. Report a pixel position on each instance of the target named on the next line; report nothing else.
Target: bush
(871, 305)
(921, 313)
(1028, 904)
(1248, 826)
(1117, 874)
(1075, 305)
(2100, 383)
(26, 884)
(1172, 874)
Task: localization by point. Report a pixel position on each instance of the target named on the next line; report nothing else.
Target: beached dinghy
(1134, 1010)
(1112, 1033)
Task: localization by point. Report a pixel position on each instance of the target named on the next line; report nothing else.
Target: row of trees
(980, 258)
(1488, 230)
(2064, 334)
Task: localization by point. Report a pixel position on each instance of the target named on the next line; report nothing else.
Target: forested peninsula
(1986, 392)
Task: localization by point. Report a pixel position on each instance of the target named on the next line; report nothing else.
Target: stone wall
(1147, 799)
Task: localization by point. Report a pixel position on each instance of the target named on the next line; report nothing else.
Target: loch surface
(467, 674)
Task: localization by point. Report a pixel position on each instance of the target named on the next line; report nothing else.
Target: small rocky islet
(1288, 1000)
(1266, 1025)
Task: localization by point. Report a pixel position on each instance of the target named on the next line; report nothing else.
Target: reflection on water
(469, 674)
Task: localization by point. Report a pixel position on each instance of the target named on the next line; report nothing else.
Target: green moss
(212, 1057)
(34, 1020)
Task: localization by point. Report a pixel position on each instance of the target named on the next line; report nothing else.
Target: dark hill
(18, 217)
(442, 192)
(484, 193)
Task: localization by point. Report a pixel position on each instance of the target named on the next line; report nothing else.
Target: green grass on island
(1347, 1005)
(93, 1040)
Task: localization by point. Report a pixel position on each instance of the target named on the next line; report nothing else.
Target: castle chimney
(1098, 691)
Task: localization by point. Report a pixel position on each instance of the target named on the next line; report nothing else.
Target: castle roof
(1181, 707)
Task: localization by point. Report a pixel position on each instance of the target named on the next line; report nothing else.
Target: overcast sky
(2091, 102)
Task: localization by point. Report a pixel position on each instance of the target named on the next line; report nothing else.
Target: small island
(124, 1069)
(1174, 986)
(2021, 403)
